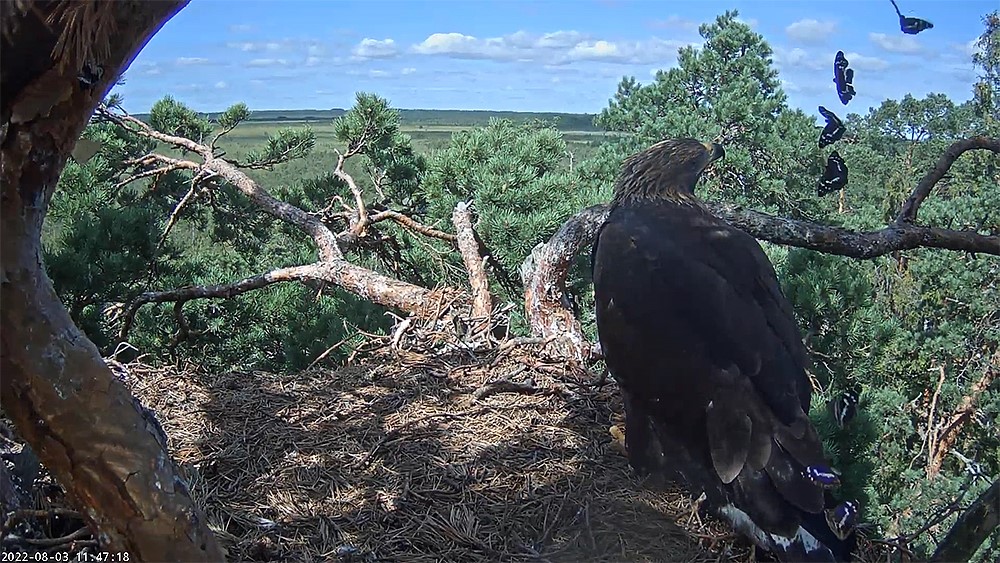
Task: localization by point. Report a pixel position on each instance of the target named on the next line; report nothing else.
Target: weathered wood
(78, 418)
(468, 247)
(544, 274)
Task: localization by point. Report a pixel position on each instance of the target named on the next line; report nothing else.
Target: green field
(426, 138)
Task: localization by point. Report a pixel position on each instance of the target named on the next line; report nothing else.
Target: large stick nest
(421, 457)
(397, 459)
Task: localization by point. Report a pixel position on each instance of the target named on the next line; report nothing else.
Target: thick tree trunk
(79, 419)
(972, 528)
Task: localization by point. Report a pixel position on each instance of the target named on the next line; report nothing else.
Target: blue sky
(531, 55)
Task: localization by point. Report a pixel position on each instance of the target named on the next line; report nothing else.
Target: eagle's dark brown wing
(704, 345)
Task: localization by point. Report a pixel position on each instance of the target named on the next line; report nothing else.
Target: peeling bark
(468, 247)
(77, 417)
(544, 275)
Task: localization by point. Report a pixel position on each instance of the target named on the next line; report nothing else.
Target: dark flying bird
(710, 362)
(835, 175)
(844, 78)
(844, 408)
(910, 26)
(834, 129)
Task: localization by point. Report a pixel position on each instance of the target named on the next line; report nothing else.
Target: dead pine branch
(371, 285)
(361, 212)
(325, 240)
(931, 426)
(482, 301)
(331, 268)
(945, 439)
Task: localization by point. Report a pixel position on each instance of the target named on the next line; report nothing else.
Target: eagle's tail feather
(799, 535)
(777, 525)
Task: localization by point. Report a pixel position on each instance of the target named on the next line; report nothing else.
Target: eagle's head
(667, 170)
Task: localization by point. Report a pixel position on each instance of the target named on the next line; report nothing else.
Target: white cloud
(810, 30)
(258, 46)
(408, 70)
(313, 61)
(378, 73)
(267, 62)
(559, 39)
(862, 62)
(560, 47)
(375, 49)
(241, 28)
(191, 61)
(895, 43)
(790, 86)
(798, 58)
(971, 48)
(588, 50)
(675, 22)
(221, 84)
(451, 44)
(751, 23)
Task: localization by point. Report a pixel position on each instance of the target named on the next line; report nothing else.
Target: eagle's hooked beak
(716, 151)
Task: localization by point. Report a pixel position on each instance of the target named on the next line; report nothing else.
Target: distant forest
(428, 117)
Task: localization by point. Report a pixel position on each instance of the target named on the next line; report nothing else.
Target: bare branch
(931, 430)
(358, 228)
(482, 301)
(176, 213)
(368, 284)
(853, 244)
(154, 172)
(138, 126)
(908, 212)
(946, 437)
(325, 240)
(412, 225)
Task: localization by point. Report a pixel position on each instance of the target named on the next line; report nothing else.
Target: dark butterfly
(835, 175)
(834, 129)
(844, 408)
(842, 519)
(844, 78)
(821, 475)
(910, 26)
